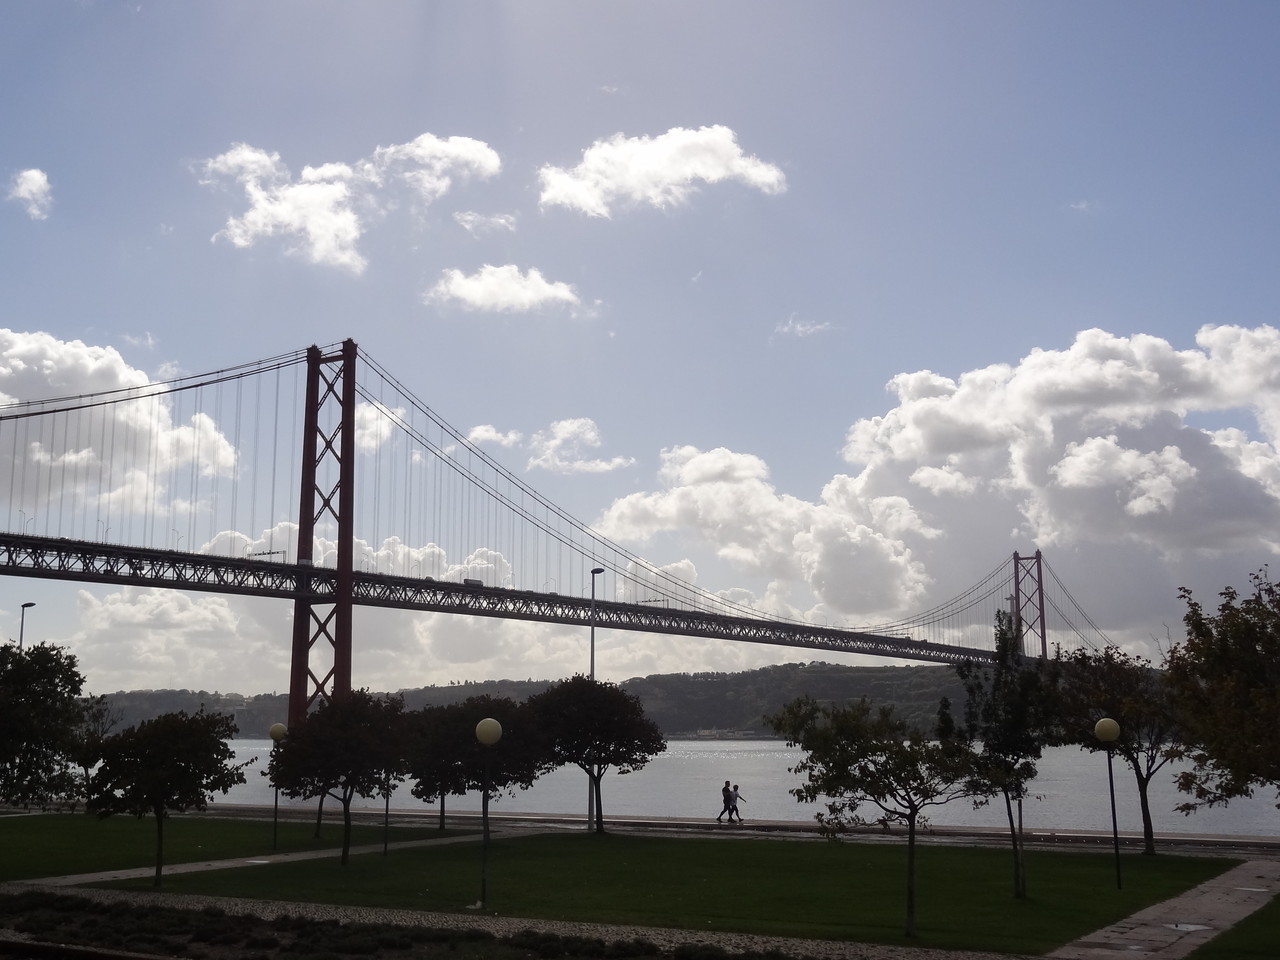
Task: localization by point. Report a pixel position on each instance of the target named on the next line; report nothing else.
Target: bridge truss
(325, 590)
(92, 562)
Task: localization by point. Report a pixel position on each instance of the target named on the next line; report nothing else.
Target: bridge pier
(327, 493)
(1028, 602)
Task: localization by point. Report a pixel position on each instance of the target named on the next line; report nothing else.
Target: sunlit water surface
(685, 781)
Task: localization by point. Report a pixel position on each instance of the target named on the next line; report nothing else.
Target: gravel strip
(505, 926)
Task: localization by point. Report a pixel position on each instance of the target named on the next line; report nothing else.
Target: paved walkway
(1173, 929)
(1166, 931)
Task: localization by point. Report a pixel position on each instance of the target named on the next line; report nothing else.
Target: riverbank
(1208, 844)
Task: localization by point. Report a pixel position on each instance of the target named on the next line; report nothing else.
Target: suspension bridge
(244, 481)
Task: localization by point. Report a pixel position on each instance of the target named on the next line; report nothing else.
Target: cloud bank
(1094, 447)
(1109, 446)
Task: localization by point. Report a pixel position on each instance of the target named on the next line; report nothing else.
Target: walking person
(726, 796)
(734, 797)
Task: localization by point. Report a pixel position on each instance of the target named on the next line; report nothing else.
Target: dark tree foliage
(351, 746)
(858, 755)
(1093, 684)
(175, 762)
(39, 709)
(1006, 716)
(595, 726)
(1225, 679)
(97, 719)
(444, 757)
(438, 751)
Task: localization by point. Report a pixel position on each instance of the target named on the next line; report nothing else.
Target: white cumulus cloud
(1090, 452)
(110, 465)
(847, 548)
(31, 188)
(661, 171)
(502, 289)
(563, 448)
(1094, 440)
(487, 433)
(324, 210)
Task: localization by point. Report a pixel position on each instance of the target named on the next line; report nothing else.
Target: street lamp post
(22, 622)
(488, 732)
(591, 783)
(277, 733)
(1108, 731)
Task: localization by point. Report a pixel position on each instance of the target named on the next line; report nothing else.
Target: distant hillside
(681, 704)
(685, 704)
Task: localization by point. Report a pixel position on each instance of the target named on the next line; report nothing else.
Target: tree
(443, 756)
(1006, 714)
(351, 746)
(595, 726)
(1225, 680)
(174, 762)
(858, 754)
(97, 719)
(438, 744)
(39, 709)
(1093, 684)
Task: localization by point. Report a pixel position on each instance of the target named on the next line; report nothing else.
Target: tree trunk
(598, 813)
(442, 809)
(1019, 870)
(1148, 833)
(347, 797)
(910, 929)
(159, 813)
(319, 815)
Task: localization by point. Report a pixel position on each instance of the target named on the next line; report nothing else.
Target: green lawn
(51, 845)
(848, 891)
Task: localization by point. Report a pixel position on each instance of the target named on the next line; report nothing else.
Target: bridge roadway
(57, 558)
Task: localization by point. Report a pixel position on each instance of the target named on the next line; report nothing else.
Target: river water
(685, 781)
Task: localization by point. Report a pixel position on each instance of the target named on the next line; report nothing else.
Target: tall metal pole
(22, 622)
(1115, 829)
(591, 781)
(488, 732)
(1108, 731)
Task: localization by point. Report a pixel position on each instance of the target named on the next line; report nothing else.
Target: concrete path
(1171, 930)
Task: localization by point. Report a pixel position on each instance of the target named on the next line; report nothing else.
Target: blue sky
(918, 284)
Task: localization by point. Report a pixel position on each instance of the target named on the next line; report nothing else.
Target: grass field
(52, 845)
(848, 891)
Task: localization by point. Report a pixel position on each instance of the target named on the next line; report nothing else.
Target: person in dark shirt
(726, 795)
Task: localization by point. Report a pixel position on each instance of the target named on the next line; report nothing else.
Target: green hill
(682, 704)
